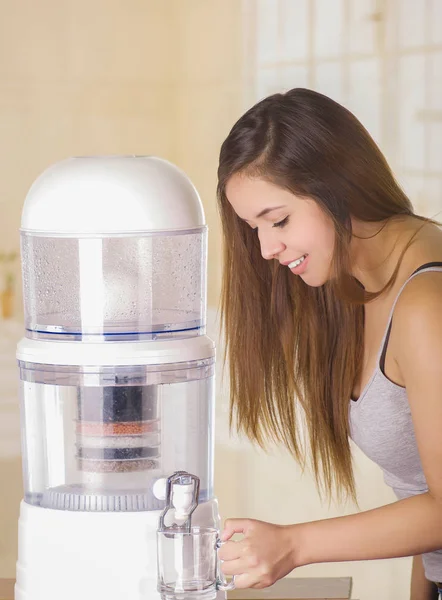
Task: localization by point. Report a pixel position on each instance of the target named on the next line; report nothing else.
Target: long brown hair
(286, 341)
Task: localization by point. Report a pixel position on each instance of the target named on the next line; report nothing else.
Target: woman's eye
(281, 223)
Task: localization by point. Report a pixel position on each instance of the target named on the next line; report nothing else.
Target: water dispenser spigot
(182, 493)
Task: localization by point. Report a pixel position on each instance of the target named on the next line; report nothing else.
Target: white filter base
(92, 556)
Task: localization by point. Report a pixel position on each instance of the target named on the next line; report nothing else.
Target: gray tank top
(381, 426)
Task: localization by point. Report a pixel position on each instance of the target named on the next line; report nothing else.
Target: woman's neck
(376, 249)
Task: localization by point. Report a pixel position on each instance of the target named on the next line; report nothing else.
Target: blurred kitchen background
(169, 78)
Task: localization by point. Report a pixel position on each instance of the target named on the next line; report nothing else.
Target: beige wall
(209, 100)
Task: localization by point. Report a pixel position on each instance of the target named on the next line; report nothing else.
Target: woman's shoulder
(422, 285)
(418, 312)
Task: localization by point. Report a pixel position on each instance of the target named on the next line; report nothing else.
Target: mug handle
(221, 582)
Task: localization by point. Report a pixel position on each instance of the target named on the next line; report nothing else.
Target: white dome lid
(111, 195)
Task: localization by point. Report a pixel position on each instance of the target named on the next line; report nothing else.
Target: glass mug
(188, 564)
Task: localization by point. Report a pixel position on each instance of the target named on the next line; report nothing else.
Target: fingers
(244, 581)
(229, 551)
(233, 526)
(233, 567)
(259, 558)
(253, 579)
(236, 558)
(243, 577)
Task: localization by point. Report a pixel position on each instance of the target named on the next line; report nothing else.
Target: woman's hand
(265, 553)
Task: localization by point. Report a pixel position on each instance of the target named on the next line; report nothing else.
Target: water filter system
(117, 374)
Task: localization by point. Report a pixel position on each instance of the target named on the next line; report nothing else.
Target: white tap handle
(159, 488)
(182, 500)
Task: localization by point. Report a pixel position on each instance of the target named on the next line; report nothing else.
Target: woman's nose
(270, 247)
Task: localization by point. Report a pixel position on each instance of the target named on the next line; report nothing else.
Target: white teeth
(297, 262)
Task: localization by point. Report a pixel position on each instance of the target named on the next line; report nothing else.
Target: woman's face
(291, 229)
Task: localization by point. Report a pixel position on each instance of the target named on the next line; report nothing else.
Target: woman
(331, 308)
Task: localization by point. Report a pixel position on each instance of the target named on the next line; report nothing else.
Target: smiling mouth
(297, 262)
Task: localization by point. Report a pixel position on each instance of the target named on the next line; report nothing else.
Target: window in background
(382, 59)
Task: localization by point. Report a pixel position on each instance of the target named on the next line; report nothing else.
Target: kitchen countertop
(299, 588)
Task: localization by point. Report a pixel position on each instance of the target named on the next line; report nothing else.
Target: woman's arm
(404, 528)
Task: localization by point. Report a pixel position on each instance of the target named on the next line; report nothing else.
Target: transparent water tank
(142, 286)
(98, 438)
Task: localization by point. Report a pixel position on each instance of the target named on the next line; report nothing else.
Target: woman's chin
(313, 279)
